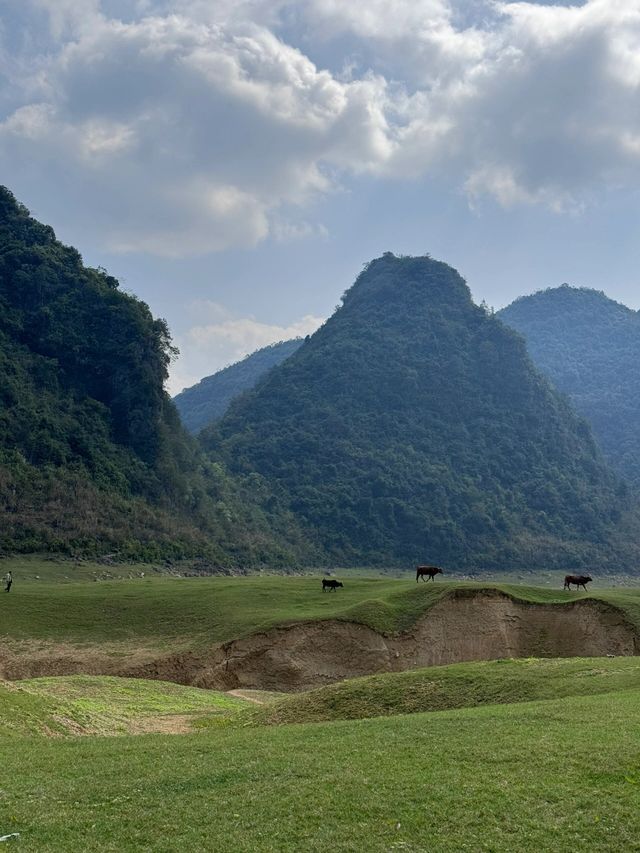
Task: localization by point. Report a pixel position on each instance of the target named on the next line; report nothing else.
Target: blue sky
(235, 163)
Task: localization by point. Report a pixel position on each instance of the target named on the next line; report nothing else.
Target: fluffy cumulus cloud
(220, 338)
(203, 126)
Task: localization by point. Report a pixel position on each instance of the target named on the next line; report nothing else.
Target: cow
(429, 571)
(578, 580)
(330, 584)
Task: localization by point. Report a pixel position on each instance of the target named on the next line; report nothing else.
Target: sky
(235, 163)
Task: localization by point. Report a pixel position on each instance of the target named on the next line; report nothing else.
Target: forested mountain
(207, 401)
(413, 426)
(589, 346)
(92, 453)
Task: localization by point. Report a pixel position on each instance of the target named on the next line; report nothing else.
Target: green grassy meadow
(90, 705)
(561, 775)
(499, 756)
(161, 610)
(460, 685)
(165, 612)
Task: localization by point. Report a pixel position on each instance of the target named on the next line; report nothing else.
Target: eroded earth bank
(463, 626)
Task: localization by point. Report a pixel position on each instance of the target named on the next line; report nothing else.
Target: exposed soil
(254, 696)
(32, 659)
(166, 724)
(464, 626)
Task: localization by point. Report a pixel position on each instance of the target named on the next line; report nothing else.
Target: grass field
(460, 685)
(81, 705)
(163, 612)
(497, 756)
(560, 775)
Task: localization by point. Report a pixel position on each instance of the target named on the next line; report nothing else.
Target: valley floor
(560, 775)
(502, 755)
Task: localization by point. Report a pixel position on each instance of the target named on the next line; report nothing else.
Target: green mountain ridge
(588, 345)
(205, 402)
(93, 457)
(412, 426)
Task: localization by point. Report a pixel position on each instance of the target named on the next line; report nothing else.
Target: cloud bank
(205, 126)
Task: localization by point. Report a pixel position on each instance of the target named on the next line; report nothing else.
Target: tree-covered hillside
(589, 346)
(92, 453)
(412, 426)
(207, 401)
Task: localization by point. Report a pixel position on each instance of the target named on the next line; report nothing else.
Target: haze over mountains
(411, 426)
(203, 403)
(589, 346)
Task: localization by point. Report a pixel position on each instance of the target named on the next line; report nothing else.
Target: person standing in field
(8, 580)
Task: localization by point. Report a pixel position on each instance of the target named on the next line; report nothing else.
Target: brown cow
(330, 585)
(578, 580)
(429, 571)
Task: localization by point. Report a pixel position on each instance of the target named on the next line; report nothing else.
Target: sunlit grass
(562, 775)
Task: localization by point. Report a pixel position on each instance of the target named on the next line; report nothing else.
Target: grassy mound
(560, 775)
(159, 611)
(445, 687)
(101, 705)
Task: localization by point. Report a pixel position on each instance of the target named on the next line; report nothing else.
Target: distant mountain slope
(413, 426)
(589, 346)
(92, 453)
(207, 401)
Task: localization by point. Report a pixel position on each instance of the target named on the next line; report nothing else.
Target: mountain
(93, 457)
(207, 401)
(589, 347)
(413, 427)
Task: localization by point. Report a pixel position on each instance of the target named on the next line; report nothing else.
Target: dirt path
(249, 695)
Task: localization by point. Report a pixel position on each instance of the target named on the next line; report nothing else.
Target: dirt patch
(464, 626)
(253, 696)
(461, 627)
(491, 625)
(21, 659)
(167, 724)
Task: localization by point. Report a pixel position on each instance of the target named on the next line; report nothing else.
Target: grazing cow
(428, 571)
(578, 580)
(330, 584)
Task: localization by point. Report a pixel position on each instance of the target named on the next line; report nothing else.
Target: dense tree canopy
(412, 426)
(589, 347)
(92, 453)
(207, 401)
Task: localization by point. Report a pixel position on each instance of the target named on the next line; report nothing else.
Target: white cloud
(197, 134)
(187, 126)
(224, 339)
(286, 231)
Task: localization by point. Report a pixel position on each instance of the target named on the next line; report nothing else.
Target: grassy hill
(99, 705)
(170, 613)
(589, 347)
(412, 426)
(503, 755)
(162, 611)
(461, 685)
(207, 401)
(555, 775)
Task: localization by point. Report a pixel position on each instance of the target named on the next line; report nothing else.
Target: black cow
(578, 580)
(427, 572)
(330, 584)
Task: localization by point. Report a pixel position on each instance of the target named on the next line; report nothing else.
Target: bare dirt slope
(463, 626)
